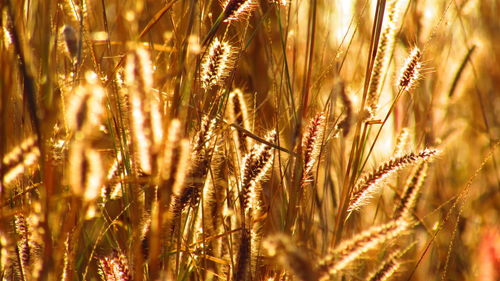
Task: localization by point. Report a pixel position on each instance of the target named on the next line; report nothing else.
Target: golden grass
(249, 140)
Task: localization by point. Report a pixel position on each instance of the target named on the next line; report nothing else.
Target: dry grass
(249, 140)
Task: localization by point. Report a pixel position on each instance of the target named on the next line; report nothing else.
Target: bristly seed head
(410, 72)
(114, 267)
(216, 64)
(237, 9)
(311, 144)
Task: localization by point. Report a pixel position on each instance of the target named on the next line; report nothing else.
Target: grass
(249, 140)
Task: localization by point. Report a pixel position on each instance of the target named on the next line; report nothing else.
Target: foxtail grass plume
(390, 265)
(85, 110)
(175, 160)
(114, 180)
(145, 118)
(238, 9)
(410, 72)
(86, 171)
(256, 164)
(217, 64)
(384, 52)
(237, 112)
(29, 244)
(353, 248)
(369, 184)
(201, 154)
(24, 249)
(190, 192)
(114, 268)
(412, 189)
(19, 159)
(311, 144)
(401, 142)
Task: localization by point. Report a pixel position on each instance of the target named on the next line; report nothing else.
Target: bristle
(353, 248)
(289, 256)
(410, 72)
(390, 265)
(384, 52)
(217, 64)
(412, 189)
(256, 164)
(238, 9)
(368, 185)
(311, 144)
(19, 159)
(114, 268)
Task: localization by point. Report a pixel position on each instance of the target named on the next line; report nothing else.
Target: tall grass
(249, 140)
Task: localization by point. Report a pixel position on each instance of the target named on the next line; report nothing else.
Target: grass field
(249, 140)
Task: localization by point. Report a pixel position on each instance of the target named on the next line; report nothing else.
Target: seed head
(410, 73)
(216, 64)
(238, 9)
